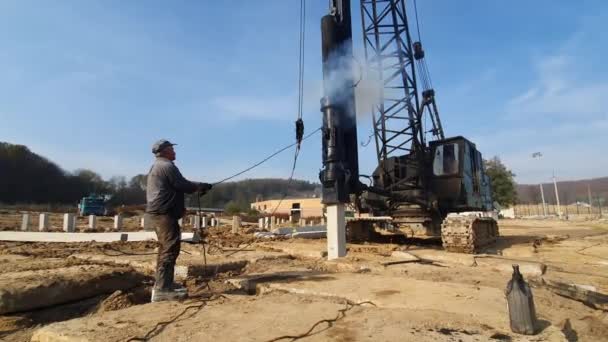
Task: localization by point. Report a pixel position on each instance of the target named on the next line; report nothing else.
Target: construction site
(244, 288)
(418, 238)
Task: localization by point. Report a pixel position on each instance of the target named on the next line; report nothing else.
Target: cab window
(446, 160)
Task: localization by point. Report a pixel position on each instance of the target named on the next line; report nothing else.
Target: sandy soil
(435, 301)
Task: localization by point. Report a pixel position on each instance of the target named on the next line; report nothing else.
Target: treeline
(569, 192)
(241, 194)
(28, 178)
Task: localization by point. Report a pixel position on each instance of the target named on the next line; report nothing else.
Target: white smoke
(348, 71)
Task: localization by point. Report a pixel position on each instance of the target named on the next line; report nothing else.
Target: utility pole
(559, 211)
(542, 193)
(589, 197)
(542, 196)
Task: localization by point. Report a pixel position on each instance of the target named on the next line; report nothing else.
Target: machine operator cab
(458, 176)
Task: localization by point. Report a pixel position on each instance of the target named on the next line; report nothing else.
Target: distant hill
(26, 177)
(244, 192)
(569, 191)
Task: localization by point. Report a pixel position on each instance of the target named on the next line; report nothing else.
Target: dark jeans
(169, 236)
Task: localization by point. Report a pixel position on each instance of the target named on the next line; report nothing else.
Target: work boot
(175, 287)
(178, 288)
(159, 295)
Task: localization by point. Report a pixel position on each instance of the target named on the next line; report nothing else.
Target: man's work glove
(204, 187)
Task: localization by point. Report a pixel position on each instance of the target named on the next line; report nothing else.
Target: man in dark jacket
(165, 202)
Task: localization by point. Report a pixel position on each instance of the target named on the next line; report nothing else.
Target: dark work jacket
(165, 189)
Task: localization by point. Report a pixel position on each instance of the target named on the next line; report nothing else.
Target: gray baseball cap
(161, 145)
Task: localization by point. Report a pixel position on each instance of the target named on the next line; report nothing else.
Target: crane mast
(399, 130)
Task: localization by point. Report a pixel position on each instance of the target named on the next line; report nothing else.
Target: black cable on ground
(341, 314)
(160, 326)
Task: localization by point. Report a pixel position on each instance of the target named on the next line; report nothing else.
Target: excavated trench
(44, 283)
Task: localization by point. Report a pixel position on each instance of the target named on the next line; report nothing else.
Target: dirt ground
(285, 290)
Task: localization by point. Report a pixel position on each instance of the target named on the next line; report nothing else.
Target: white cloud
(557, 92)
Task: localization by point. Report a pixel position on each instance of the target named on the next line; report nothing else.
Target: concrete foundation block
(68, 223)
(261, 223)
(204, 221)
(118, 222)
(92, 221)
(310, 235)
(146, 222)
(236, 224)
(43, 223)
(336, 232)
(283, 231)
(445, 257)
(198, 224)
(305, 229)
(404, 256)
(273, 222)
(26, 222)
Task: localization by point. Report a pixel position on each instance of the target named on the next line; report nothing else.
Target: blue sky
(92, 84)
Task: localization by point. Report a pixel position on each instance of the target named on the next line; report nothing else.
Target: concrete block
(78, 237)
(309, 235)
(191, 221)
(146, 222)
(267, 222)
(404, 256)
(236, 224)
(315, 228)
(26, 222)
(283, 231)
(92, 221)
(43, 223)
(444, 257)
(273, 222)
(198, 224)
(264, 235)
(181, 222)
(68, 223)
(261, 223)
(290, 219)
(204, 221)
(336, 231)
(118, 222)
